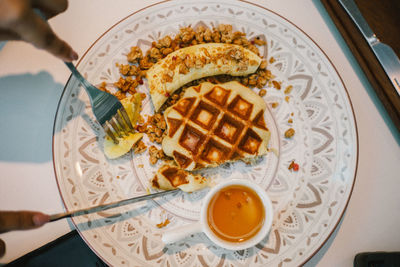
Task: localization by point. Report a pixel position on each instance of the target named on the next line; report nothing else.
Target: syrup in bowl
(235, 213)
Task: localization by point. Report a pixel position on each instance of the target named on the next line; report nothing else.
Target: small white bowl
(174, 235)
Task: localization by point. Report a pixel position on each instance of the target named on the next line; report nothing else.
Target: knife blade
(58, 216)
(384, 53)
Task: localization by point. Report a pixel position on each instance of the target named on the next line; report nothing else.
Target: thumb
(21, 220)
(2, 248)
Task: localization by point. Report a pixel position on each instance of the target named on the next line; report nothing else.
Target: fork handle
(79, 76)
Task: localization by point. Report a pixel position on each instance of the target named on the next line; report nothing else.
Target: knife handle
(355, 14)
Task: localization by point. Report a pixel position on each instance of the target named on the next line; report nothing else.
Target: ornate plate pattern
(308, 204)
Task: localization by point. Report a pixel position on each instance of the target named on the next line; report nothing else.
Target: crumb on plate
(294, 166)
(289, 133)
(163, 224)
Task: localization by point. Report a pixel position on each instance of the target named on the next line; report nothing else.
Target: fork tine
(122, 123)
(126, 118)
(117, 130)
(109, 132)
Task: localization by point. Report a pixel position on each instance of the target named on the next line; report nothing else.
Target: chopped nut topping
(139, 147)
(167, 76)
(262, 92)
(134, 55)
(183, 69)
(186, 34)
(207, 35)
(275, 105)
(172, 66)
(166, 51)
(103, 88)
(235, 53)
(277, 85)
(243, 65)
(145, 64)
(163, 224)
(155, 53)
(271, 60)
(189, 62)
(252, 79)
(120, 95)
(155, 154)
(253, 62)
(129, 70)
(165, 42)
(216, 36)
(289, 133)
(261, 82)
(200, 34)
(127, 84)
(199, 63)
(263, 64)
(155, 128)
(254, 49)
(288, 89)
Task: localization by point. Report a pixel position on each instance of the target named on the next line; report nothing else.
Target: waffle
(169, 177)
(216, 123)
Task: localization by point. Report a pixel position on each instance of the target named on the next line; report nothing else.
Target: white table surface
(31, 83)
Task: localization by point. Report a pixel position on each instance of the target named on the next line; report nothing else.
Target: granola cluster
(222, 34)
(155, 128)
(289, 133)
(156, 154)
(139, 148)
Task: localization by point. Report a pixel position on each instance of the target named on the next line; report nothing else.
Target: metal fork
(107, 109)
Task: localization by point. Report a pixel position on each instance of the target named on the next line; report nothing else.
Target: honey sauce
(236, 213)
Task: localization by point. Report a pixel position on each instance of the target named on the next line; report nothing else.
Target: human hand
(18, 21)
(20, 220)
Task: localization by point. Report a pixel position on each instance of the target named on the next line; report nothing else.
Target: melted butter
(236, 213)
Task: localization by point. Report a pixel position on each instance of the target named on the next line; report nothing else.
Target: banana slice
(170, 177)
(195, 62)
(125, 144)
(132, 107)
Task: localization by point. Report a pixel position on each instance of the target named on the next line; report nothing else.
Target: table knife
(384, 53)
(58, 216)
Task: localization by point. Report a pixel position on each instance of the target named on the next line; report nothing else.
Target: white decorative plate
(308, 204)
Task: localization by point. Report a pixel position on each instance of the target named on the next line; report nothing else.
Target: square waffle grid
(215, 131)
